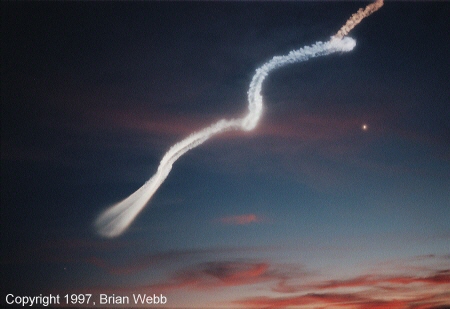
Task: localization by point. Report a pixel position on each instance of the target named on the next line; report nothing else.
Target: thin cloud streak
(245, 219)
(212, 275)
(302, 127)
(349, 301)
(305, 126)
(96, 252)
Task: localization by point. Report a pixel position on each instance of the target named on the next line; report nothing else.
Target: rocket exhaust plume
(356, 18)
(115, 220)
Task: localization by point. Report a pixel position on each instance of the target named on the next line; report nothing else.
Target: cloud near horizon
(289, 286)
(360, 292)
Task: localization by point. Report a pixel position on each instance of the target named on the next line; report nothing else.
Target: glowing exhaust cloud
(356, 18)
(116, 219)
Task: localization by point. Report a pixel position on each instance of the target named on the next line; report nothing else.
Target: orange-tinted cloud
(240, 219)
(437, 278)
(410, 287)
(311, 127)
(304, 126)
(97, 253)
(302, 300)
(211, 275)
(143, 121)
(289, 286)
(347, 301)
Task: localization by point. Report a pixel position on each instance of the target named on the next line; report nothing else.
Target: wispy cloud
(244, 219)
(333, 300)
(143, 121)
(348, 301)
(365, 291)
(284, 285)
(98, 253)
(212, 275)
(304, 127)
(420, 282)
(439, 277)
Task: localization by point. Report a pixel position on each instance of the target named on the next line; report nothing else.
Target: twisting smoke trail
(116, 219)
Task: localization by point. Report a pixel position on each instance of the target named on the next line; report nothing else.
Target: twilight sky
(308, 210)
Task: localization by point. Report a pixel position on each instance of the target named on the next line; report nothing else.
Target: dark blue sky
(292, 213)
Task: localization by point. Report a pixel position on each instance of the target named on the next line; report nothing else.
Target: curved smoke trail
(356, 18)
(116, 219)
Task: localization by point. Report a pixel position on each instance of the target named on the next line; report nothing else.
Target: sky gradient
(308, 210)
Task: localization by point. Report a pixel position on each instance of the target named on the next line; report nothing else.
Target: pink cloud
(211, 275)
(311, 127)
(346, 300)
(144, 121)
(291, 287)
(240, 219)
(303, 126)
(437, 278)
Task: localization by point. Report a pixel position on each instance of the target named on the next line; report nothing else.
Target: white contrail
(116, 219)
